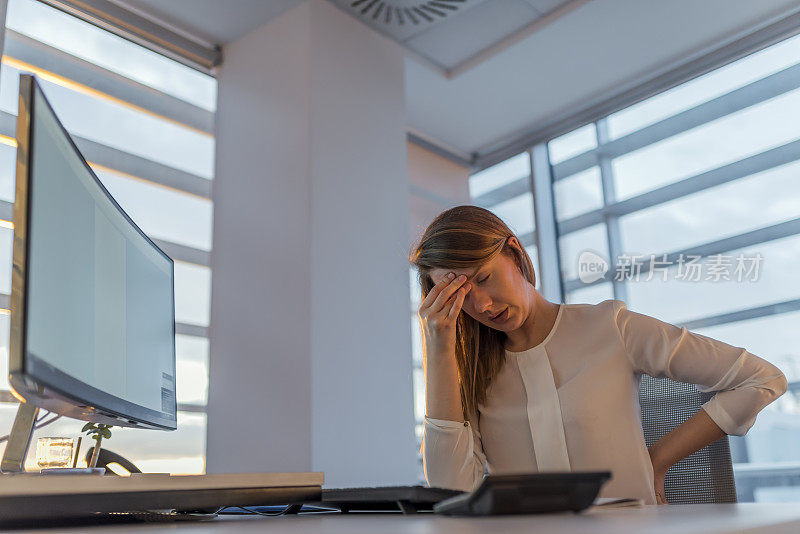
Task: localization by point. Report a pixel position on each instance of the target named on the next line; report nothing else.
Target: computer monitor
(92, 297)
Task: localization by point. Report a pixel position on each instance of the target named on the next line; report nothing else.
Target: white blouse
(571, 403)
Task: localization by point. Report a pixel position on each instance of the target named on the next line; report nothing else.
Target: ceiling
(213, 21)
(447, 34)
(441, 33)
(592, 52)
(489, 71)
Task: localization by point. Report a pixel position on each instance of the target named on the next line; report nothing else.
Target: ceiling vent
(404, 12)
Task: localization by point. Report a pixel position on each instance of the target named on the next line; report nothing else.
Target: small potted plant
(97, 432)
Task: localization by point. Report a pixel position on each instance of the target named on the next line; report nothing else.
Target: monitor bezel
(37, 387)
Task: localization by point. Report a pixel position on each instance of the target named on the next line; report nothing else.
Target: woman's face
(498, 287)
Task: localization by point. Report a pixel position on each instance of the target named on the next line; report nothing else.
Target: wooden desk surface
(683, 519)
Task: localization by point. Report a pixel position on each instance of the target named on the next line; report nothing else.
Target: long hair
(466, 237)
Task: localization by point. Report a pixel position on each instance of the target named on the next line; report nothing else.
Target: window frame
(544, 175)
(77, 74)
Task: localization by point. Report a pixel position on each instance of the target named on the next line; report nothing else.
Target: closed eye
(484, 279)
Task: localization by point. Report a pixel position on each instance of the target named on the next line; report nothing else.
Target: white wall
(310, 335)
(436, 185)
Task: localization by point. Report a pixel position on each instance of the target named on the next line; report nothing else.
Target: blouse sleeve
(452, 454)
(745, 383)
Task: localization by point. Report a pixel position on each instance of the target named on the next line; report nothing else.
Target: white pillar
(310, 330)
(3, 11)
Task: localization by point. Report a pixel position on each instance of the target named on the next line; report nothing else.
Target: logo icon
(591, 266)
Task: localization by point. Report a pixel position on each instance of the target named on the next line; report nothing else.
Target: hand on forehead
(437, 275)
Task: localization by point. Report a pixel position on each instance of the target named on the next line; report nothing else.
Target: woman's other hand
(659, 475)
(658, 486)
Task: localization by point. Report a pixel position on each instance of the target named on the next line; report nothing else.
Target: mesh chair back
(707, 475)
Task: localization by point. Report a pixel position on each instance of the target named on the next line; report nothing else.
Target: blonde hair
(467, 237)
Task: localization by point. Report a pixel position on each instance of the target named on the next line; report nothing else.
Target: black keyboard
(406, 499)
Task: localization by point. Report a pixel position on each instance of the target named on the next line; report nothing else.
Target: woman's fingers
(458, 301)
(434, 293)
(446, 294)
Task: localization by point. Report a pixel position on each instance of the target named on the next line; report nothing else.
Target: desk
(684, 519)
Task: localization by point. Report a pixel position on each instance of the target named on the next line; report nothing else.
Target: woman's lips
(502, 317)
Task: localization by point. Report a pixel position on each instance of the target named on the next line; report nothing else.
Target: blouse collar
(546, 339)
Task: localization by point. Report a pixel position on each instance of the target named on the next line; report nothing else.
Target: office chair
(707, 475)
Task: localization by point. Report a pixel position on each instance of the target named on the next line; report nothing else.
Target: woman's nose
(480, 302)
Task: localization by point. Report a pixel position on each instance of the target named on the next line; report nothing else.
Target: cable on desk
(290, 509)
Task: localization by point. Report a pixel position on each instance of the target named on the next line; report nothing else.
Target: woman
(519, 384)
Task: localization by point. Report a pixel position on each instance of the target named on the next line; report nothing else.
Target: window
(709, 296)
(502, 174)
(717, 83)
(572, 144)
(118, 125)
(724, 141)
(571, 246)
(158, 168)
(505, 190)
(706, 171)
(579, 193)
(105, 50)
(591, 294)
(162, 212)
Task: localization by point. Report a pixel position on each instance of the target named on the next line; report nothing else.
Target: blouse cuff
(450, 459)
(444, 424)
(723, 420)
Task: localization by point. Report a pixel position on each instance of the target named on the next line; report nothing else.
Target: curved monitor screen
(99, 294)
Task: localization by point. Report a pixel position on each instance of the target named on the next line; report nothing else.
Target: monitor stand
(19, 442)
(20, 439)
